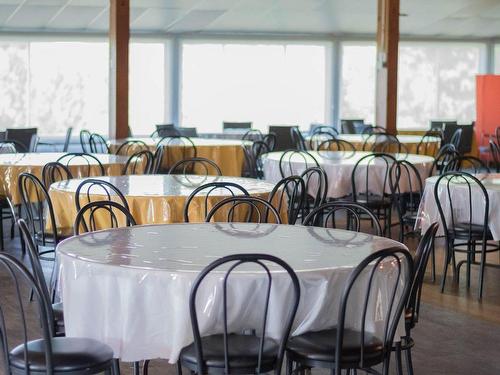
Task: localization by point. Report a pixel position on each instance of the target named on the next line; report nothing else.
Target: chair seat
(243, 352)
(374, 201)
(464, 230)
(69, 354)
(320, 346)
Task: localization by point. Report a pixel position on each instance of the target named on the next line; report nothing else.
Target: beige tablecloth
(227, 154)
(154, 199)
(12, 165)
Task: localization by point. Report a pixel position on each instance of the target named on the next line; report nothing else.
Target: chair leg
(137, 368)
(116, 366)
(409, 362)
(179, 368)
(468, 264)
(145, 367)
(446, 263)
(399, 361)
(481, 270)
(433, 261)
(288, 365)
(2, 248)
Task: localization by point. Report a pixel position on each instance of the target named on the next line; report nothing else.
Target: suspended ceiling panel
(455, 18)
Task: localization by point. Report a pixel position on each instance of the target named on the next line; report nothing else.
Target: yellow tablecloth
(154, 199)
(12, 165)
(410, 141)
(227, 154)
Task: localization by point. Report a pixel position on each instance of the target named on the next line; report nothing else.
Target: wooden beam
(119, 36)
(386, 107)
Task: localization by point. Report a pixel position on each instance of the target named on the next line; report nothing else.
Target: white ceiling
(447, 18)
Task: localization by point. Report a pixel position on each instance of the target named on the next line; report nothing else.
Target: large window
(437, 81)
(357, 90)
(265, 83)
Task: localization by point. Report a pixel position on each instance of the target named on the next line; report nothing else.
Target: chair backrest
(229, 188)
(253, 158)
(188, 132)
(396, 276)
(371, 129)
(442, 161)
(236, 125)
(171, 149)
(298, 139)
(38, 207)
(98, 144)
(361, 172)
(468, 163)
(91, 216)
(167, 130)
(262, 262)
(320, 128)
(131, 147)
(421, 259)
(85, 140)
(270, 140)
(243, 209)
(316, 188)
(428, 142)
(54, 172)
(139, 163)
(441, 124)
(83, 159)
(495, 154)
(326, 216)
(284, 139)
(24, 136)
(456, 138)
(318, 137)
(67, 139)
(463, 207)
(289, 157)
(384, 143)
(253, 135)
(9, 147)
(333, 147)
(352, 126)
(200, 166)
(17, 280)
(290, 194)
(92, 189)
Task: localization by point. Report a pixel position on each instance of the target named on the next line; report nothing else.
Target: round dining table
(459, 192)
(227, 154)
(153, 199)
(129, 287)
(339, 166)
(411, 142)
(12, 165)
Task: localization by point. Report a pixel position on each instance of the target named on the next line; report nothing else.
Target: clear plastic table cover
(339, 166)
(129, 287)
(428, 212)
(12, 165)
(154, 199)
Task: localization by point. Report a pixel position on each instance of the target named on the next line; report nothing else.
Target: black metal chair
(247, 210)
(326, 216)
(375, 194)
(27, 137)
(290, 194)
(37, 271)
(199, 166)
(82, 158)
(441, 163)
(253, 158)
(316, 188)
(85, 140)
(206, 190)
(131, 147)
(55, 172)
(384, 143)
(167, 130)
(188, 132)
(468, 163)
(91, 188)
(288, 158)
(283, 136)
(371, 129)
(171, 149)
(233, 352)
(319, 137)
(67, 140)
(352, 126)
(298, 139)
(495, 155)
(427, 143)
(458, 224)
(253, 135)
(345, 346)
(87, 216)
(48, 354)
(11, 147)
(412, 308)
(270, 140)
(456, 138)
(331, 148)
(139, 163)
(98, 144)
(40, 216)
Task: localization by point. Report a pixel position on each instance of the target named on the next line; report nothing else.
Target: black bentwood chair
(139, 163)
(87, 216)
(290, 157)
(86, 191)
(85, 140)
(131, 147)
(98, 144)
(48, 354)
(82, 158)
(495, 155)
(199, 166)
(251, 351)
(316, 188)
(325, 216)
(289, 192)
(229, 188)
(412, 308)
(459, 226)
(443, 161)
(346, 346)
(298, 139)
(171, 149)
(247, 210)
(55, 172)
(253, 159)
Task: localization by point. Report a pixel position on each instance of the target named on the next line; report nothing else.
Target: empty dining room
(241, 187)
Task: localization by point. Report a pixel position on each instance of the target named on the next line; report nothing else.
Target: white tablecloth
(339, 166)
(428, 211)
(129, 287)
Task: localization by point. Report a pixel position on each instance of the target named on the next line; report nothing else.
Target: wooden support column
(119, 36)
(387, 64)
